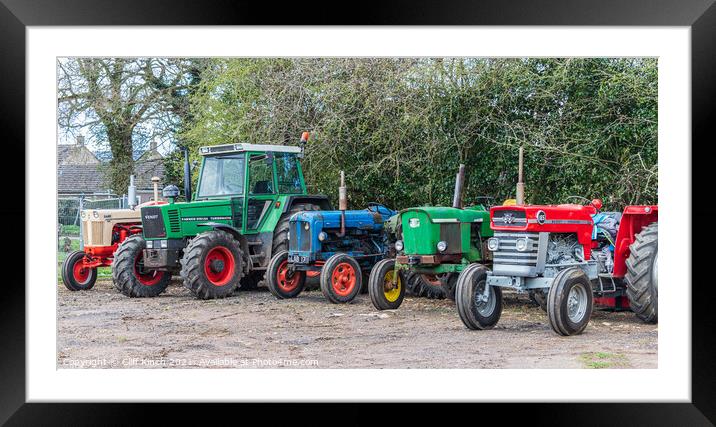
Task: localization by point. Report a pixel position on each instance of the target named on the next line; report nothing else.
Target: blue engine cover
(365, 225)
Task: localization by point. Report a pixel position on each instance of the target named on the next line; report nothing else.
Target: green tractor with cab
(435, 244)
(223, 237)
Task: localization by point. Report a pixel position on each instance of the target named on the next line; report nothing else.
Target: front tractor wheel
(280, 280)
(479, 305)
(75, 275)
(569, 302)
(280, 239)
(642, 274)
(211, 265)
(385, 286)
(341, 279)
(128, 272)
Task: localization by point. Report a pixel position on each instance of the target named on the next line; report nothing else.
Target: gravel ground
(102, 328)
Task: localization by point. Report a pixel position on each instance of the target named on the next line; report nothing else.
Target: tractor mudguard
(316, 199)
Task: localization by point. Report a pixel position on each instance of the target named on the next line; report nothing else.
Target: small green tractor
(436, 244)
(224, 238)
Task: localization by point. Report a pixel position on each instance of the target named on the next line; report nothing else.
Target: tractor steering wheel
(376, 205)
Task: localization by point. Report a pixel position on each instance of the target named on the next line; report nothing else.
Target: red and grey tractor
(102, 232)
(565, 255)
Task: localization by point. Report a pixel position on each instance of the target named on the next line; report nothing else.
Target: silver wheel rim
(576, 303)
(655, 273)
(484, 308)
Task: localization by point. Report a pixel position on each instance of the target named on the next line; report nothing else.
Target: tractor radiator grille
(516, 218)
(300, 237)
(92, 233)
(153, 223)
(174, 221)
(507, 254)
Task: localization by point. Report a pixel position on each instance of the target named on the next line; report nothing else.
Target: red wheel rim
(219, 266)
(286, 281)
(343, 279)
(80, 273)
(146, 277)
(432, 280)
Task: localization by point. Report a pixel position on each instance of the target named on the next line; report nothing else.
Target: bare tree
(123, 103)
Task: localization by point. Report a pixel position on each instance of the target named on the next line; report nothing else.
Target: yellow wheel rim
(390, 280)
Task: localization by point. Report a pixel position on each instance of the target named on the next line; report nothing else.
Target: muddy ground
(102, 328)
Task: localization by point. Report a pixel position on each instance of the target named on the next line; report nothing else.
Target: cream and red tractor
(102, 231)
(566, 255)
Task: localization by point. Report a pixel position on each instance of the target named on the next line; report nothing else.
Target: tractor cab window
(222, 175)
(260, 174)
(289, 181)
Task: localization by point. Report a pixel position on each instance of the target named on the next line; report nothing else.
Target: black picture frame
(16, 15)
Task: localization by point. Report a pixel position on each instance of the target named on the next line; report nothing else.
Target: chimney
(153, 146)
(80, 140)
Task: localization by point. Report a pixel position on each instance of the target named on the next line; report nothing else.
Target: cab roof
(242, 147)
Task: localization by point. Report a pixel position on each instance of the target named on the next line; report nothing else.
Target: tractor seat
(606, 221)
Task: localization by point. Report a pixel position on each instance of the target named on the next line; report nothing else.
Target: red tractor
(565, 256)
(102, 230)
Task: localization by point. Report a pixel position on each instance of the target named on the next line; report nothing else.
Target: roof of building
(77, 179)
(150, 164)
(79, 171)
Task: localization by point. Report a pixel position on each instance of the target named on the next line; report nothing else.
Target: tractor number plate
(298, 259)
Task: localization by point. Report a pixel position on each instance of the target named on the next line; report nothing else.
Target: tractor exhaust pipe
(520, 184)
(459, 184)
(342, 203)
(187, 175)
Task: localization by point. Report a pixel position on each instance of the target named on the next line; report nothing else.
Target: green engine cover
(462, 229)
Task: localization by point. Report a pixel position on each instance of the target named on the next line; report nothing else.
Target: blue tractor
(342, 245)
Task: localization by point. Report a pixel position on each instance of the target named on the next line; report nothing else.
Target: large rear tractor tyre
(449, 283)
(75, 275)
(341, 279)
(281, 282)
(280, 237)
(477, 310)
(128, 272)
(421, 285)
(211, 265)
(642, 274)
(386, 285)
(570, 302)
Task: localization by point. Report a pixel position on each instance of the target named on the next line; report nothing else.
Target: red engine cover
(567, 218)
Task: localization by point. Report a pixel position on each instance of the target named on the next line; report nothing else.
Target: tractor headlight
(523, 245)
(493, 244)
(83, 215)
(163, 244)
(322, 236)
(306, 226)
(399, 245)
(95, 214)
(150, 244)
(442, 245)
